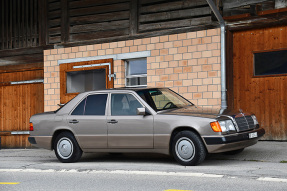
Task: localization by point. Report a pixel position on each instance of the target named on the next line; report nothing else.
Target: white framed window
(136, 72)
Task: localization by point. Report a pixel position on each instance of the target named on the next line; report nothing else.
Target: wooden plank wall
(18, 24)
(98, 19)
(265, 95)
(33, 23)
(157, 15)
(54, 21)
(80, 20)
(17, 104)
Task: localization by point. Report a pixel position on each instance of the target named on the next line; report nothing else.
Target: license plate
(253, 135)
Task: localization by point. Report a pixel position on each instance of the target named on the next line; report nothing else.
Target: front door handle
(74, 121)
(112, 121)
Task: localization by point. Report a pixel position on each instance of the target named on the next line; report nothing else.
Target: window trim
(69, 67)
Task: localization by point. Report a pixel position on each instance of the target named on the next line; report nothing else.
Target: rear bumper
(232, 142)
(41, 141)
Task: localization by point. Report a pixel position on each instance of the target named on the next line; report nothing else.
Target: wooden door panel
(17, 104)
(265, 95)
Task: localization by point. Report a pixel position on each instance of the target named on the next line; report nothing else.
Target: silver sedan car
(151, 120)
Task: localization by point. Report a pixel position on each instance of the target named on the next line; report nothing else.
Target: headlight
(223, 126)
(254, 119)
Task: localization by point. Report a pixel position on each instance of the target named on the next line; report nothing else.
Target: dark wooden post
(65, 26)
(134, 17)
(43, 22)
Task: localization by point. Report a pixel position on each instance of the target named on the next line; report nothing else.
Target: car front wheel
(188, 149)
(66, 148)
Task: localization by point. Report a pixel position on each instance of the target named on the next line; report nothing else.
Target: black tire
(188, 148)
(235, 152)
(66, 148)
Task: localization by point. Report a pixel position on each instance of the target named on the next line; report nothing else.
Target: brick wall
(188, 63)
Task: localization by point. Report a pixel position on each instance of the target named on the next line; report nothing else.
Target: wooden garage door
(21, 96)
(264, 95)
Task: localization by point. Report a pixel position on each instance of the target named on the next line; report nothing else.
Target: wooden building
(50, 49)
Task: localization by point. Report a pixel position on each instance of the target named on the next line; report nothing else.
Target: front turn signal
(215, 126)
(31, 127)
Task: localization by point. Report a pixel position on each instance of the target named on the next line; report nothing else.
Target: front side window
(92, 105)
(136, 72)
(124, 104)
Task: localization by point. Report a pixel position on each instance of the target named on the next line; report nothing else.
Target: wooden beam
(43, 22)
(265, 18)
(124, 37)
(64, 21)
(134, 17)
(280, 4)
(229, 4)
(17, 52)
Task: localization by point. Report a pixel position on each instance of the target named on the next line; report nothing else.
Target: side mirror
(141, 111)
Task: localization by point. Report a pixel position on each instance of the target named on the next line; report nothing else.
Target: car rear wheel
(188, 149)
(66, 148)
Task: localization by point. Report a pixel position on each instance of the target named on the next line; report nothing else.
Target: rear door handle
(112, 121)
(74, 121)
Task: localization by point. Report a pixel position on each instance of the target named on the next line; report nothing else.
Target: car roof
(124, 88)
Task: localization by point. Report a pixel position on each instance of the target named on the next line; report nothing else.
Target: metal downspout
(223, 60)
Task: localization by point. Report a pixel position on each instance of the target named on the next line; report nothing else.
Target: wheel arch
(57, 132)
(180, 129)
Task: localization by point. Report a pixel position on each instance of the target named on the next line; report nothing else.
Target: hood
(203, 112)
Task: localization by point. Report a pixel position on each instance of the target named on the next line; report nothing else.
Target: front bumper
(232, 142)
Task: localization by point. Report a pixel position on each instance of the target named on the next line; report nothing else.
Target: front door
(126, 129)
(88, 120)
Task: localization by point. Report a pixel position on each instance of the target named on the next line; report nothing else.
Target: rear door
(126, 129)
(88, 120)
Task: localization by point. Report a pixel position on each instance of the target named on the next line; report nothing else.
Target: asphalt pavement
(260, 167)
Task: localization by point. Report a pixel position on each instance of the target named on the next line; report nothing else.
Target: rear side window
(92, 105)
(80, 108)
(96, 104)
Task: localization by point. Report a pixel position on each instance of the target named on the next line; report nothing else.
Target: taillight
(31, 127)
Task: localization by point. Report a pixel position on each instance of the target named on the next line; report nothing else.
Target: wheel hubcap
(65, 148)
(185, 149)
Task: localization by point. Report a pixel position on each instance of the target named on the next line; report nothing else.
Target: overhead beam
(229, 4)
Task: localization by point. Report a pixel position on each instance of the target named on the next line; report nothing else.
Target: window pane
(270, 63)
(80, 108)
(137, 67)
(96, 104)
(124, 104)
(137, 81)
(88, 80)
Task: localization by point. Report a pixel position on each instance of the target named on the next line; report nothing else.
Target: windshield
(162, 99)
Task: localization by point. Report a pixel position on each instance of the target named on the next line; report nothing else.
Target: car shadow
(128, 158)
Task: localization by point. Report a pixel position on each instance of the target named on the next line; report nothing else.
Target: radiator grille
(245, 123)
